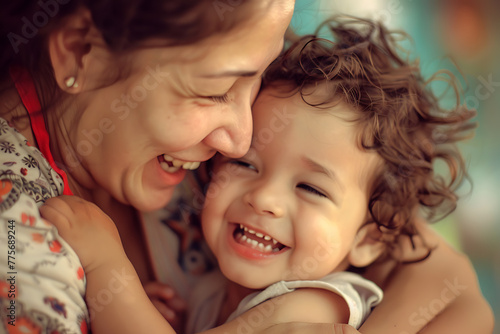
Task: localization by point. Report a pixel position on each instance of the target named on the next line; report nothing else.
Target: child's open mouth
(256, 240)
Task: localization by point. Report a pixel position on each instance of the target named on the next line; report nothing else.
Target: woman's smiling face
(292, 206)
(179, 106)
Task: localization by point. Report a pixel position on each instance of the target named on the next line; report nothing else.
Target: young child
(346, 134)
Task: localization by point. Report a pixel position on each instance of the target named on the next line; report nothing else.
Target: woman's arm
(115, 297)
(438, 295)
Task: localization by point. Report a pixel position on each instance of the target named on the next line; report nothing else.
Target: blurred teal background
(447, 32)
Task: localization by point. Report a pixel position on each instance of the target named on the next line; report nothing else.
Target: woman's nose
(232, 138)
(266, 199)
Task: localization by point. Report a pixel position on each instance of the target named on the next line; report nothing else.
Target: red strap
(26, 89)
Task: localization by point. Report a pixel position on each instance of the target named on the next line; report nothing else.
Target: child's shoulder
(339, 297)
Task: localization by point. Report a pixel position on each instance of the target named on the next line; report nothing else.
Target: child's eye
(220, 98)
(311, 189)
(244, 164)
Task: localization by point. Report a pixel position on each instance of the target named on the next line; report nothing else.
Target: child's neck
(234, 294)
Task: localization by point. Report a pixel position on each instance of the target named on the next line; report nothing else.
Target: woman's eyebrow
(231, 73)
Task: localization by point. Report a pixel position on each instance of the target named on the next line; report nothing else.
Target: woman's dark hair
(124, 25)
(397, 114)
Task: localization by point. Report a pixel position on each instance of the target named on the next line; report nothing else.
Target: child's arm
(116, 300)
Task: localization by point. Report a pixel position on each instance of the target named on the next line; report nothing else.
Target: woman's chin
(152, 200)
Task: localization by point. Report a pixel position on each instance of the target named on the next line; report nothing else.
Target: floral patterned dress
(42, 283)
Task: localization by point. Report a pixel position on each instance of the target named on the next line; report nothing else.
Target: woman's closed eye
(311, 190)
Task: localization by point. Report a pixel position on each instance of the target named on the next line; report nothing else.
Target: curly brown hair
(398, 116)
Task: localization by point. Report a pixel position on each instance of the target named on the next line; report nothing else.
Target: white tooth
(274, 242)
(186, 165)
(167, 168)
(254, 243)
(163, 165)
(268, 249)
(195, 164)
(246, 229)
(177, 163)
(260, 235)
(172, 169)
(276, 250)
(261, 246)
(251, 231)
(241, 226)
(243, 238)
(266, 237)
(249, 241)
(167, 157)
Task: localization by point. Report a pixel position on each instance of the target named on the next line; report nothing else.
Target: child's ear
(366, 247)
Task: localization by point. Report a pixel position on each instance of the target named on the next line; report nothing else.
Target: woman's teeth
(172, 165)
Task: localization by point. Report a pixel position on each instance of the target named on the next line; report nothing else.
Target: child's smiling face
(291, 207)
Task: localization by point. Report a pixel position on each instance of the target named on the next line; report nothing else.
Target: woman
(131, 96)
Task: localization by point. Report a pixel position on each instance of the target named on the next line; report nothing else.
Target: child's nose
(266, 200)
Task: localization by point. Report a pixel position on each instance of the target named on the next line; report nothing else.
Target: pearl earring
(71, 82)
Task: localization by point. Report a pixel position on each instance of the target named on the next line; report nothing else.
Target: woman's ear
(367, 246)
(68, 46)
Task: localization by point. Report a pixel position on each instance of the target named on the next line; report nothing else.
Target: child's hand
(168, 303)
(88, 230)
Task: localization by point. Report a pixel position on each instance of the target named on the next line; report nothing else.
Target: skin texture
(316, 210)
(130, 310)
(445, 294)
(78, 220)
(129, 109)
(164, 105)
(78, 50)
(306, 187)
(391, 316)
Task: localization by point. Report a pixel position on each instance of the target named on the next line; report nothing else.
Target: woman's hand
(438, 295)
(168, 303)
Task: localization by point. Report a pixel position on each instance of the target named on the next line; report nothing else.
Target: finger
(54, 216)
(159, 290)
(344, 329)
(60, 204)
(78, 205)
(177, 304)
(166, 312)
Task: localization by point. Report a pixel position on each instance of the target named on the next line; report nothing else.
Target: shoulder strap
(26, 89)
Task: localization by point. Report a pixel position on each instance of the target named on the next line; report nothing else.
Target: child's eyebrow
(317, 167)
